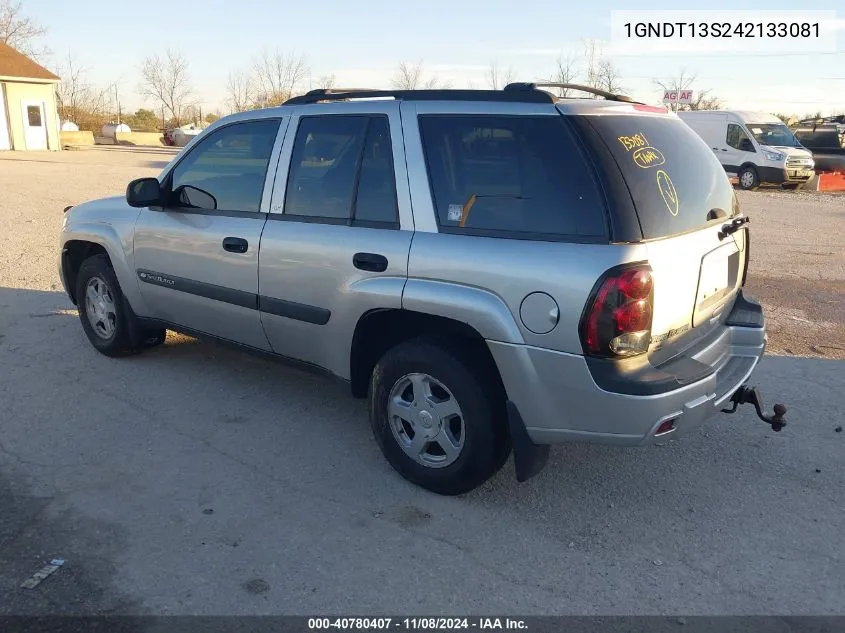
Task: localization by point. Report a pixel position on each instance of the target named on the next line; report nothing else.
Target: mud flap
(528, 458)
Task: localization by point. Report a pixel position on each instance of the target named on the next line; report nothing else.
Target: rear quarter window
(521, 177)
(673, 176)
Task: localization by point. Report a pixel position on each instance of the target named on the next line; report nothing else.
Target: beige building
(29, 118)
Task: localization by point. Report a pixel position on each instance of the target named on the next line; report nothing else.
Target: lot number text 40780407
(417, 624)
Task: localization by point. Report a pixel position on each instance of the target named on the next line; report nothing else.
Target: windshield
(774, 134)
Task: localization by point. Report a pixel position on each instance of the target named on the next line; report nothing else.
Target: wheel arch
(381, 329)
(73, 254)
(87, 240)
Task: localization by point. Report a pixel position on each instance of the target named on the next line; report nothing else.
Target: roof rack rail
(337, 94)
(330, 91)
(523, 86)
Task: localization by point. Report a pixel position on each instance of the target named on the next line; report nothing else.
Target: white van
(754, 146)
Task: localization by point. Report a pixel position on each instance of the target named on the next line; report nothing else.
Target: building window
(33, 113)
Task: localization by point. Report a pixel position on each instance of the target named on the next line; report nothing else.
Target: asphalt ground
(194, 479)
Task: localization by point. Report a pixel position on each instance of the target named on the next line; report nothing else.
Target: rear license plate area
(717, 280)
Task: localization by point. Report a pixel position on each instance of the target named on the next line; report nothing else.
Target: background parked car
(825, 138)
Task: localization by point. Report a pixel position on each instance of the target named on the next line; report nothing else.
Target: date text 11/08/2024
(416, 624)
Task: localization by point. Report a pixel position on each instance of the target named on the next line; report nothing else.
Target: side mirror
(746, 145)
(143, 192)
(195, 198)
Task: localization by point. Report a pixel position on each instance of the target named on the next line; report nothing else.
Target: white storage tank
(110, 129)
(182, 135)
(69, 126)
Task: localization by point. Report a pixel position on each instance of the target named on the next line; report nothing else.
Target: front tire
(439, 419)
(102, 310)
(748, 178)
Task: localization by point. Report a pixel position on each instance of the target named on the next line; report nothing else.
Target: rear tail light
(617, 317)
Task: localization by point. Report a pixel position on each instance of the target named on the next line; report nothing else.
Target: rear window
(673, 176)
(522, 177)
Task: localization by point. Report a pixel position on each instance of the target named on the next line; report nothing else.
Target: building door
(4, 123)
(34, 125)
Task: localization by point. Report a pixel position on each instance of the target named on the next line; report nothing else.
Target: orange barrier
(832, 181)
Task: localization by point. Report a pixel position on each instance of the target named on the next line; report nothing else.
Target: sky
(362, 42)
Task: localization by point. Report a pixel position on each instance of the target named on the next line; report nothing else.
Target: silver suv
(494, 270)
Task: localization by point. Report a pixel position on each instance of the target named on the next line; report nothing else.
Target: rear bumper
(559, 399)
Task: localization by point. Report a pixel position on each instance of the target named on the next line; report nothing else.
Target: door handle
(370, 261)
(235, 244)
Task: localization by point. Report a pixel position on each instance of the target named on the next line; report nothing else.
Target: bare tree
(278, 76)
(193, 113)
(20, 31)
(599, 71)
(680, 83)
(703, 101)
(409, 76)
(498, 78)
(167, 81)
(240, 90)
(434, 83)
(326, 82)
(609, 77)
(592, 59)
(565, 73)
(684, 81)
(79, 100)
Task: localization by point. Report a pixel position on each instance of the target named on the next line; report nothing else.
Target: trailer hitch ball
(751, 395)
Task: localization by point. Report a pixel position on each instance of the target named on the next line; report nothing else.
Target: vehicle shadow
(157, 164)
(137, 149)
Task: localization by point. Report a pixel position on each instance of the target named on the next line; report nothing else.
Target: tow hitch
(751, 395)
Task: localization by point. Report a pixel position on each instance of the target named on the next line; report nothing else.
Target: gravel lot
(196, 479)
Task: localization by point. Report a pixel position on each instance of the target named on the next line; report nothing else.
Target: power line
(722, 78)
(739, 55)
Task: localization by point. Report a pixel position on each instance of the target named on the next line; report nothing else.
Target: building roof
(17, 65)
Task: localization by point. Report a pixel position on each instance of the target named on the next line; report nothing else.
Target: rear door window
(522, 177)
(676, 182)
(341, 172)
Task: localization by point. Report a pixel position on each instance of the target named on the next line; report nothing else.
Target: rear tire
(107, 322)
(748, 178)
(457, 407)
